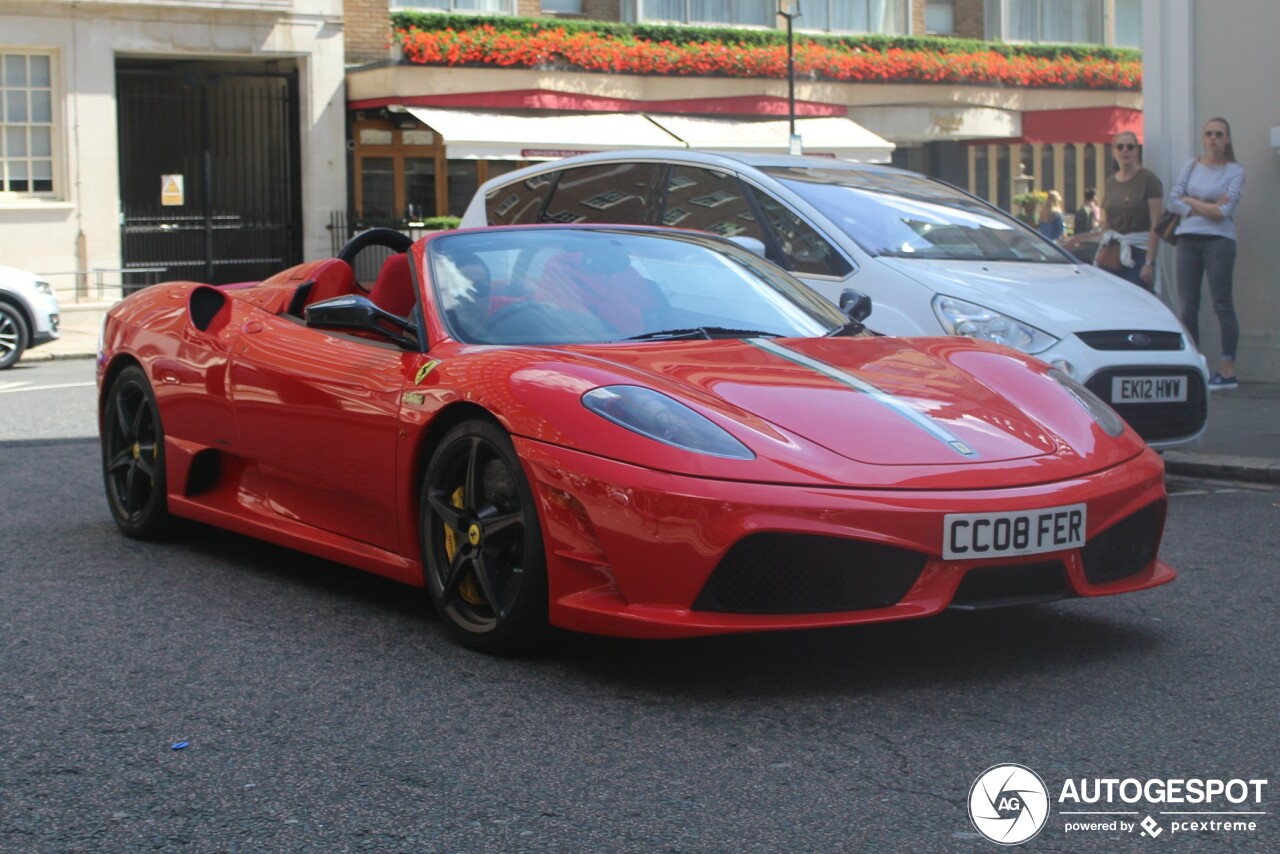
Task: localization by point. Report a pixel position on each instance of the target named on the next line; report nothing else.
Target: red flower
(588, 51)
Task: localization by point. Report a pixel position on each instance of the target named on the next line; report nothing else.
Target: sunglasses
(1125, 146)
(1215, 133)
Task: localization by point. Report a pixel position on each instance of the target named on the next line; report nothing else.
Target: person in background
(1131, 204)
(1205, 196)
(1089, 216)
(1052, 224)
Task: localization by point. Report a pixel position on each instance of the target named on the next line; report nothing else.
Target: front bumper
(633, 552)
(1161, 425)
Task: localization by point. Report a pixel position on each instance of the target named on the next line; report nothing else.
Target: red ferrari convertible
(629, 431)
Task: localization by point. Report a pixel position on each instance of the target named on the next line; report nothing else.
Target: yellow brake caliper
(467, 587)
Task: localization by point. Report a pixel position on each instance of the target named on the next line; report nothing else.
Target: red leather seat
(394, 291)
(329, 279)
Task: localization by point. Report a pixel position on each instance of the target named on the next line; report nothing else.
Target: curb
(1223, 466)
(39, 356)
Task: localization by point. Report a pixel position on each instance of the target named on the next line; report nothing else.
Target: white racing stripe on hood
(929, 425)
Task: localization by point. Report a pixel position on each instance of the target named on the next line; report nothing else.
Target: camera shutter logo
(1008, 804)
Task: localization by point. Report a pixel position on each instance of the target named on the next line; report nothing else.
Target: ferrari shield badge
(426, 369)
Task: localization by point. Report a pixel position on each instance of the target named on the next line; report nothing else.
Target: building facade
(1189, 80)
(149, 139)
(996, 139)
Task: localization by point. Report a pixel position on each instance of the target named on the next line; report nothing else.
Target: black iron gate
(209, 171)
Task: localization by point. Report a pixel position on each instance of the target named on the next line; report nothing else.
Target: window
(1128, 29)
(760, 13)
(419, 188)
(1068, 21)
(378, 185)
(562, 7)
(463, 181)
(858, 16)
(518, 203)
(609, 192)
(497, 7)
(26, 123)
(803, 248)
(709, 201)
(940, 16)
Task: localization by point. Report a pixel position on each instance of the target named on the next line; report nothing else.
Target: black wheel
(133, 457)
(394, 240)
(13, 336)
(481, 542)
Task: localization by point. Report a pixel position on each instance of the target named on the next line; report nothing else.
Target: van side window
(806, 251)
(519, 202)
(709, 201)
(602, 193)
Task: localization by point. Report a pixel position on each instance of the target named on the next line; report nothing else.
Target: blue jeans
(1198, 255)
(1134, 274)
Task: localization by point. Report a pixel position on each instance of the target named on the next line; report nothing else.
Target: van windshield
(904, 215)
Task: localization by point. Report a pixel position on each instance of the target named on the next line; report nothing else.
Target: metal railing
(102, 284)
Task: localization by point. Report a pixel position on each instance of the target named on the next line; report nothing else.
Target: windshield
(555, 285)
(904, 215)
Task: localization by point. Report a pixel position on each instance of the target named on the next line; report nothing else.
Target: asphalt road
(323, 710)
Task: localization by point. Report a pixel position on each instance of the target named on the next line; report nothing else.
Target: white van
(934, 260)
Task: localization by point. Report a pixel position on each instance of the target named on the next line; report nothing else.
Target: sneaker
(1220, 383)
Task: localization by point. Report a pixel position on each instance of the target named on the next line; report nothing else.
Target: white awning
(472, 135)
(920, 123)
(832, 136)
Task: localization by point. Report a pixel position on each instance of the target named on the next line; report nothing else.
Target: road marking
(7, 388)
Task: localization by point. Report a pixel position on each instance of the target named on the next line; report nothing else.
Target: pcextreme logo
(1009, 804)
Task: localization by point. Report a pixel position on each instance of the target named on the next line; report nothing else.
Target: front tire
(482, 543)
(13, 335)
(133, 465)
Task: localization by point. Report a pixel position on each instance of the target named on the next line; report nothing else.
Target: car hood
(1060, 299)
(877, 403)
(13, 277)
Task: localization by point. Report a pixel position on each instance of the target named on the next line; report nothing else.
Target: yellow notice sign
(171, 192)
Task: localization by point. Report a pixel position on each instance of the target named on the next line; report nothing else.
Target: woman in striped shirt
(1206, 195)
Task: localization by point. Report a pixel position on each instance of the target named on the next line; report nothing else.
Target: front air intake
(776, 573)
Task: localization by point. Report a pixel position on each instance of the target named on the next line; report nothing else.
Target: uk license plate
(975, 536)
(1148, 389)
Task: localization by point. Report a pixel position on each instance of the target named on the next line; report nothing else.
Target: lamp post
(790, 9)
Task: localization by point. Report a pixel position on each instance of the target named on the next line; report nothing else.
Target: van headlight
(974, 321)
(663, 419)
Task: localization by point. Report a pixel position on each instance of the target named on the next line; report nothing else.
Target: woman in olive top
(1131, 204)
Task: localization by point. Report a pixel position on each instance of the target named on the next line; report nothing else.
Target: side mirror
(359, 314)
(750, 244)
(855, 304)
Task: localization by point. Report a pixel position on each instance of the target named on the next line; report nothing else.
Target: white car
(28, 314)
(934, 260)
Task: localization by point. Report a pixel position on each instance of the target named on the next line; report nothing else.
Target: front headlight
(974, 321)
(44, 288)
(658, 417)
(1102, 413)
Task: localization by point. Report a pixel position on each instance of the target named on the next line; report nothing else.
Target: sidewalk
(1242, 441)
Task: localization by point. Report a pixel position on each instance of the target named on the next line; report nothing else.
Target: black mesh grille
(1126, 547)
(1132, 339)
(1158, 421)
(1012, 584)
(776, 573)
